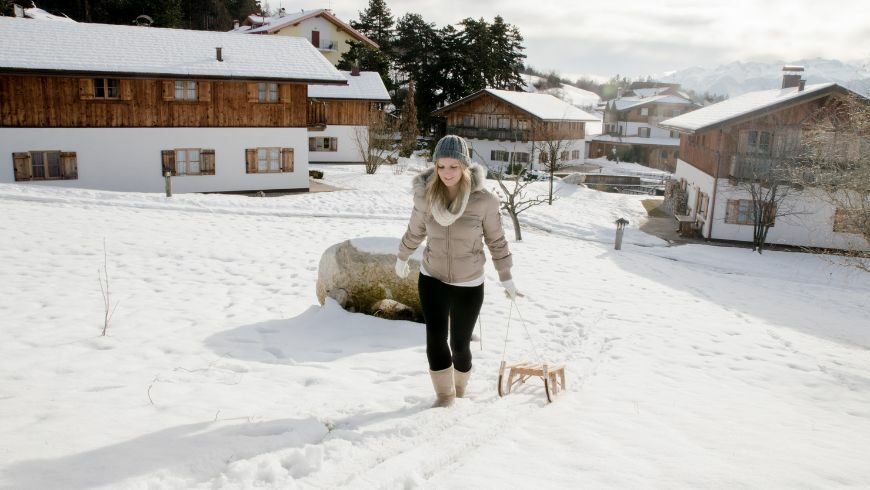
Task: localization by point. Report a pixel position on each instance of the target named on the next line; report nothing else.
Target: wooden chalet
(321, 27)
(505, 127)
(721, 143)
(218, 111)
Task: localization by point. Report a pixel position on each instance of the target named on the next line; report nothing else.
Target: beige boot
(444, 388)
(461, 381)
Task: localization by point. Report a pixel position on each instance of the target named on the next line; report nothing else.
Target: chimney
(354, 69)
(618, 92)
(220, 56)
(791, 77)
(235, 25)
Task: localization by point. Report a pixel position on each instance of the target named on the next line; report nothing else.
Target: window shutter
(286, 92)
(252, 92)
(286, 159)
(732, 210)
(168, 90)
(68, 166)
(21, 163)
(312, 144)
(203, 90)
(333, 144)
(168, 162)
(742, 142)
(251, 160)
(206, 166)
(126, 89)
(86, 88)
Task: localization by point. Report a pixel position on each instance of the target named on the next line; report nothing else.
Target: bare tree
(408, 123)
(514, 199)
(375, 139)
(103, 275)
(552, 141)
(835, 160)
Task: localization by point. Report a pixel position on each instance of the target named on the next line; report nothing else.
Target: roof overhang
(159, 76)
(801, 99)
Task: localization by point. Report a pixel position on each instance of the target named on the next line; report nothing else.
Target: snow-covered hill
(583, 99)
(740, 77)
(687, 367)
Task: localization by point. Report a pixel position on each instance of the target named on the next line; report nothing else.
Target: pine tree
(408, 124)
(413, 37)
(376, 22)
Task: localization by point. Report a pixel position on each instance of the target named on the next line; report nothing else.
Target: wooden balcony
(490, 134)
(317, 116)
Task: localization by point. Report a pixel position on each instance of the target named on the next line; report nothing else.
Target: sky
(636, 38)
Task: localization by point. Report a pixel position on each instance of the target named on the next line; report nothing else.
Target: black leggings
(456, 305)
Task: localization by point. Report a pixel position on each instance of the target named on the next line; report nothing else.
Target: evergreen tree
(408, 123)
(416, 48)
(376, 22)
(507, 56)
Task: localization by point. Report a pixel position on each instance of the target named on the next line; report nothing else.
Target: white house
(344, 113)
(717, 143)
(504, 127)
(115, 107)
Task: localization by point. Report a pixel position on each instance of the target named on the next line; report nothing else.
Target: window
(185, 90)
(44, 165)
(543, 157)
(187, 161)
(521, 157)
(675, 134)
(564, 155)
(643, 132)
(644, 111)
(847, 221)
(740, 212)
(322, 144)
(757, 142)
(468, 121)
(499, 156)
(268, 160)
(664, 153)
(702, 204)
(504, 123)
(575, 155)
(106, 88)
(267, 92)
(523, 124)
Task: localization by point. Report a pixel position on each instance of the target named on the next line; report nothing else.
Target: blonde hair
(437, 194)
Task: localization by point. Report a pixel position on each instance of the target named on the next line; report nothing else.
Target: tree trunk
(517, 233)
(550, 201)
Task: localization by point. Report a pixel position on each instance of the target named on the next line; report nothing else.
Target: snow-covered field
(688, 367)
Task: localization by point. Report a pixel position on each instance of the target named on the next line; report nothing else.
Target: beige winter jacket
(454, 253)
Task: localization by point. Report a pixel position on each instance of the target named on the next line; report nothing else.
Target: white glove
(402, 269)
(510, 289)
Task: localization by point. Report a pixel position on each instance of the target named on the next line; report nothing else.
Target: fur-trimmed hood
(478, 178)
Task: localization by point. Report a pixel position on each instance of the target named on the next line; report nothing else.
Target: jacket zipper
(449, 257)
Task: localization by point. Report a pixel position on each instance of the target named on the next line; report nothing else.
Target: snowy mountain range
(740, 77)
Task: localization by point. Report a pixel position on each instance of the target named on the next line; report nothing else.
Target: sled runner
(553, 376)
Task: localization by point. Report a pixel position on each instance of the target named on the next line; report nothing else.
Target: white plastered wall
(482, 151)
(129, 159)
(348, 150)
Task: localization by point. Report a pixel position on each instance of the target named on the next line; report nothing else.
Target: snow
(544, 106)
(368, 85)
(103, 48)
(573, 95)
(687, 367)
(739, 106)
(637, 140)
(39, 14)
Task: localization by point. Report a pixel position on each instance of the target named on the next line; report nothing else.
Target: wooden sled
(553, 376)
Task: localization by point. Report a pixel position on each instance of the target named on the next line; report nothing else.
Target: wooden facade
(488, 117)
(69, 102)
(724, 147)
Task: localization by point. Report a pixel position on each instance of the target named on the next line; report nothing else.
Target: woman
(452, 209)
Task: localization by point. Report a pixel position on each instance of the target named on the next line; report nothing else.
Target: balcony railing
(317, 116)
(490, 134)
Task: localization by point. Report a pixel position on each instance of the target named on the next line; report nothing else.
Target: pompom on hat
(452, 146)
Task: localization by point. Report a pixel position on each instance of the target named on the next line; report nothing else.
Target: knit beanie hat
(452, 146)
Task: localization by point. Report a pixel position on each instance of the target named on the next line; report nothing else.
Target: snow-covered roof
(637, 140)
(39, 14)
(743, 105)
(543, 106)
(152, 51)
(625, 103)
(258, 24)
(368, 85)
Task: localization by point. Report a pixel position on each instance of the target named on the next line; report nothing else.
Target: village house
(217, 111)
(631, 122)
(323, 29)
(505, 127)
(339, 117)
(721, 142)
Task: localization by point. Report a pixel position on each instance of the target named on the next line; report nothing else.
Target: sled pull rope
(507, 332)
